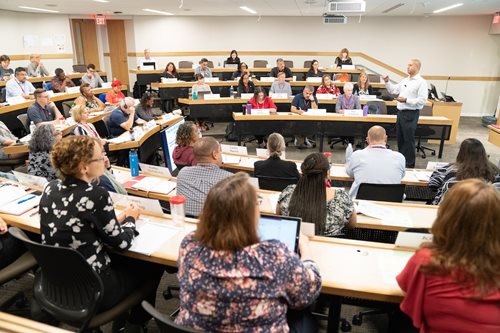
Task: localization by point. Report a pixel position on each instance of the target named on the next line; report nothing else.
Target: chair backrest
(380, 106)
(307, 63)
(426, 110)
(210, 64)
(288, 63)
(260, 63)
(102, 97)
(165, 324)
(80, 68)
(105, 120)
(66, 286)
(374, 78)
(67, 105)
(23, 118)
(275, 183)
(47, 85)
(185, 64)
(3, 95)
(381, 192)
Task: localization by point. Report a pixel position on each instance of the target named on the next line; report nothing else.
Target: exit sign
(100, 20)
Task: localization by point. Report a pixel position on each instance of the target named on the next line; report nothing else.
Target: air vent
(335, 19)
(347, 7)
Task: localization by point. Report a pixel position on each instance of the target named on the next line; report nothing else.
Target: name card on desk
(246, 95)
(148, 205)
(72, 90)
(138, 132)
(314, 79)
(367, 97)
(211, 79)
(325, 96)
(149, 125)
(267, 79)
(279, 95)
(211, 96)
(168, 80)
(106, 84)
(412, 239)
(30, 180)
(315, 112)
(240, 150)
(354, 112)
(51, 93)
(155, 170)
(348, 67)
(261, 112)
(16, 100)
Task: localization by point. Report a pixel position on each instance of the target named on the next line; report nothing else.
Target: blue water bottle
(133, 162)
(195, 95)
(249, 108)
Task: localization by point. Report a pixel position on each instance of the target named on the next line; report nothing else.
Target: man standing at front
(194, 182)
(412, 93)
(375, 164)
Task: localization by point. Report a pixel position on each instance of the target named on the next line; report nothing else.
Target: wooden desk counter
(49, 78)
(450, 110)
(15, 324)
(494, 135)
(232, 70)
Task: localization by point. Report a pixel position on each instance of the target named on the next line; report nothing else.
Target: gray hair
(43, 138)
(348, 85)
(275, 144)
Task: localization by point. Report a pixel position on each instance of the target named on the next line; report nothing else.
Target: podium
(450, 110)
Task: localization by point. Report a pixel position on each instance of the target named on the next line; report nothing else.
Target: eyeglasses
(100, 159)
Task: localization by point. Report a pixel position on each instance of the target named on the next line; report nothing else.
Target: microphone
(446, 88)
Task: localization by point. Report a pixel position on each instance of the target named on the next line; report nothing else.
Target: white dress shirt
(414, 89)
(16, 88)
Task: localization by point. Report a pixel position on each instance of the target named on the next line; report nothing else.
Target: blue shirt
(301, 103)
(117, 118)
(38, 114)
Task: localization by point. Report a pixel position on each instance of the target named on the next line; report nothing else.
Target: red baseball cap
(116, 83)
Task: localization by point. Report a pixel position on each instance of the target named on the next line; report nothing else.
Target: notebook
(283, 228)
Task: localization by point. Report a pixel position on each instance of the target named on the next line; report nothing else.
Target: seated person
(19, 86)
(281, 68)
(170, 71)
(363, 86)
(331, 210)
(40, 146)
(300, 104)
(200, 84)
(194, 182)
(81, 115)
(472, 162)
(123, 118)
(88, 99)
(92, 228)
(186, 137)
(274, 166)
(10, 247)
(43, 110)
(327, 86)
(245, 86)
(145, 108)
(233, 58)
(107, 180)
(203, 69)
(280, 86)
(115, 95)
(60, 81)
(5, 71)
(248, 284)
(261, 101)
(7, 139)
(36, 68)
(347, 101)
(343, 58)
(452, 284)
(313, 70)
(147, 58)
(242, 68)
(375, 164)
(92, 77)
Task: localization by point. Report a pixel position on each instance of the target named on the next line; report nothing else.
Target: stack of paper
(153, 184)
(435, 165)
(151, 237)
(230, 159)
(16, 201)
(422, 176)
(119, 139)
(387, 215)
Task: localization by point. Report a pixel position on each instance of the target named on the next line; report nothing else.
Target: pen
(34, 213)
(24, 200)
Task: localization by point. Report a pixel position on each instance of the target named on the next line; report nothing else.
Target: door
(85, 37)
(118, 51)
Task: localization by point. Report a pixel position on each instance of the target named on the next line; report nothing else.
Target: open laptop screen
(283, 228)
(149, 63)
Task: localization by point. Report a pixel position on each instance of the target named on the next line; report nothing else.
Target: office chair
(47, 85)
(165, 324)
(16, 269)
(23, 119)
(381, 192)
(80, 68)
(13, 163)
(210, 64)
(307, 63)
(105, 120)
(424, 132)
(374, 78)
(275, 183)
(67, 105)
(185, 64)
(3, 95)
(288, 63)
(260, 63)
(380, 106)
(72, 295)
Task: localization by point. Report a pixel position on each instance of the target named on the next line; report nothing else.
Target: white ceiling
(263, 7)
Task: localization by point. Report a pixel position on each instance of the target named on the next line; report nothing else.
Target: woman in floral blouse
(230, 281)
(330, 210)
(75, 213)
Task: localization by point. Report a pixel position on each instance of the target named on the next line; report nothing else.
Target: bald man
(412, 92)
(194, 182)
(375, 164)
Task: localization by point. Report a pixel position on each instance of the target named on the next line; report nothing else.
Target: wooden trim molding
(43, 56)
(461, 78)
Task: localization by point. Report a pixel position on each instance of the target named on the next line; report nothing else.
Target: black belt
(409, 110)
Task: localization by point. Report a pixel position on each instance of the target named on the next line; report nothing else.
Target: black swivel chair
(275, 183)
(165, 324)
(16, 269)
(424, 132)
(80, 68)
(73, 294)
(381, 192)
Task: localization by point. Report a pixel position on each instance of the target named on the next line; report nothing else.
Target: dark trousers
(123, 277)
(10, 249)
(301, 321)
(406, 125)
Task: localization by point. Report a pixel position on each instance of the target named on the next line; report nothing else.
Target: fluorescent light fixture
(250, 10)
(157, 11)
(393, 8)
(104, 1)
(39, 9)
(447, 8)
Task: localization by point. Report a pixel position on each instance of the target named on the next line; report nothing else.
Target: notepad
(435, 165)
(16, 201)
(388, 216)
(422, 176)
(154, 184)
(268, 202)
(152, 236)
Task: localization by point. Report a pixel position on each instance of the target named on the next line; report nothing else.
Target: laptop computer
(149, 64)
(201, 94)
(283, 228)
(233, 66)
(447, 98)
